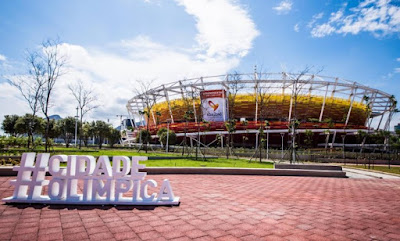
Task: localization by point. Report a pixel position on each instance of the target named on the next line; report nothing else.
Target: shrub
(171, 138)
(144, 136)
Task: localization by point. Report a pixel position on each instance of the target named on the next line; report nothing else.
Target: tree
(235, 85)
(171, 138)
(160, 131)
(114, 136)
(31, 86)
(46, 67)
(30, 125)
(86, 99)
(67, 129)
(8, 124)
(148, 100)
(144, 136)
(101, 131)
(87, 132)
(298, 82)
(230, 126)
(263, 94)
(54, 130)
(308, 138)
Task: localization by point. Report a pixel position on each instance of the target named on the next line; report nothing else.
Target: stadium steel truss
(357, 101)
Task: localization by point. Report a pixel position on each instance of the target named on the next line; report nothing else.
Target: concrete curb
(7, 171)
(245, 171)
(308, 167)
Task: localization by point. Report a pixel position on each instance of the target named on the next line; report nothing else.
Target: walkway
(224, 208)
(358, 173)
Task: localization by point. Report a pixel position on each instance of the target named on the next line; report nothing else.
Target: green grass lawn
(93, 152)
(393, 169)
(187, 162)
(212, 162)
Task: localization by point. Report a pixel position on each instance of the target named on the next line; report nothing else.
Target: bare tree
(50, 65)
(264, 94)
(31, 87)
(45, 67)
(298, 82)
(86, 102)
(235, 85)
(148, 100)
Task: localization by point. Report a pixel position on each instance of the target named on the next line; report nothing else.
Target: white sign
(102, 183)
(213, 103)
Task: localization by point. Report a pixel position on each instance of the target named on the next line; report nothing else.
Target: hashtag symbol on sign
(31, 176)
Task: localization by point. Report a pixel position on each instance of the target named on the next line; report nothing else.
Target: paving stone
(238, 208)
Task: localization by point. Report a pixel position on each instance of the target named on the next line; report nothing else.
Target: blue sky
(113, 43)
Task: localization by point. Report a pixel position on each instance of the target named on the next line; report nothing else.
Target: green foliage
(38, 141)
(8, 124)
(101, 130)
(188, 115)
(295, 124)
(314, 120)
(66, 128)
(160, 131)
(308, 138)
(230, 125)
(114, 136)
(87, 131)
(13, 141)
(144, 136)
(27, 123)
(360, 135)
(171, 138)
(54, 130)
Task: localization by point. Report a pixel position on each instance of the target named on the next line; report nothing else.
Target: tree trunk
(100, 142)
(29, 138)
(80, 132)
(227, 146)
(46, 134)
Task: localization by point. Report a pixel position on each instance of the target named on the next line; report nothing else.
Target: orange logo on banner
(214, 106)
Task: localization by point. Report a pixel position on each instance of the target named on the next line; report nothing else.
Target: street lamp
(282, 135)
(166, 148)
(76, 124)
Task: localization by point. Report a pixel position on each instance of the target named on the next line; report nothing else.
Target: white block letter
(165, 193)
(143, 191)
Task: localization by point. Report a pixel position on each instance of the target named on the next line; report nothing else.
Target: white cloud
(224, 28)
(283, 7)
(398, 59)
(379, 17)
(222, 40)
(314, 19)
(322, 30)
(2, 57)
(296, 27)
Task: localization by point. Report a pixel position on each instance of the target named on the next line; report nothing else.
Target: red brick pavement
(224, 208)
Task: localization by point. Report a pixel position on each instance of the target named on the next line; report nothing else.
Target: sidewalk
(358, 173)
(223, 207)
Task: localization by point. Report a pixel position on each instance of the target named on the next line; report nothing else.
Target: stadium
(200, 108)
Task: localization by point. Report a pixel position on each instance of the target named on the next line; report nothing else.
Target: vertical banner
(213, 104)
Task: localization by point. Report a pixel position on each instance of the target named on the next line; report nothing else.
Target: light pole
(166, 148)
(343, 154)
(267, 144)
(76, 124)
(282, 135)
